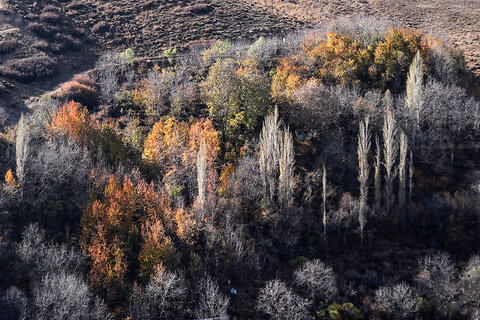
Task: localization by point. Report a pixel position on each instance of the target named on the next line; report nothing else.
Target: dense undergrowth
(323, 175)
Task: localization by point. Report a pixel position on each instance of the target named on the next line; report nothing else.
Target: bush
(13, 305)
(397, 302)
(200, 8)
(317, 278)
(82, 89)
(7, 46)
(100, 27)
(29, 69)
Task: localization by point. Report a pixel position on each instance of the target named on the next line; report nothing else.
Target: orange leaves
(202, 130)
(157, 248)
(81, 89)
(10, 182)
(72, 120)
(290, 76)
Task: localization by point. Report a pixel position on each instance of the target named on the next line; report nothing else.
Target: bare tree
(364, 143)
(286, 166)
(378, 176)
(13, 304)
(211, 302)
(437, 282)
(65, 296)
(402, 169)
(318, 279)
(107, 74)
(390, 153)
(43, 258)
(162, 298)
(410, 176)
(414, 100)
(397, 301)
(201, 173)
(22, 151)
(324, 203)
(470, 286)
(269, 155)
(281, 303)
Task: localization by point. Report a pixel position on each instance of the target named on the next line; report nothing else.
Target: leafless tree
(397, 301)
(160, 85)
(107, 71)
(13, 304)
(286, 166)
(410, 176)
(246, 183)
(437, 282)
(201, 173)
(414, 97)
(390, 154)
(269, 155)
(22, 150)
(280, 303)
(162, 298)
(42, 257)
(210, 301)
(65, 296)
(402, 169)
(377, 176)
(318, 279)
(364, 142)
(324, 203)
(470, 286)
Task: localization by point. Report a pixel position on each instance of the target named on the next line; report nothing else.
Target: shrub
(100, 27)
(7, 46)
(13, 304)
(200, 8)
(317, 278)
(29, 69)
(44, 30)
(281, 303)
(50, 17)
(398, 301)
(82, 89)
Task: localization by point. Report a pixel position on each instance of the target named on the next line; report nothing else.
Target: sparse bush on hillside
(29, 69)
(7, 46)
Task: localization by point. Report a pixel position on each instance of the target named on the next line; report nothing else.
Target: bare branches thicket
(470, 286)
(276, 161)
(107, 75)
(281, 303)
(162, 298)
(378, 176)
(211, 302)
(437, 282)
(402, 169)
(65, 296)
(364, 142)
(390, 154)
(318, 279)
(201, 173)
(13, 304)
(286, 166)
(397, 301)
(414, 99)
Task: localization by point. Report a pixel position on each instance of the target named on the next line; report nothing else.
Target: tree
(22, 151)
(64, 296)
(414, 97)
(280, 303)
(324, 197)
(286, 167)
(162, 298)
(107, 70)
(437, 282)
(470, 286)
(390, 151)
(378, 176)
(13, 304)
(397, 301)
(402, 169)
(210, 302)
(318, 279)
(364, 137)
(201, 174)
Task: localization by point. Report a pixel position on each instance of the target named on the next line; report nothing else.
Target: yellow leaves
(10, 182)
(72, 120)
(290, 76)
